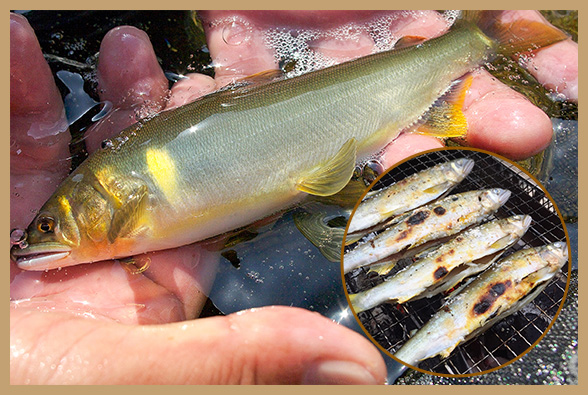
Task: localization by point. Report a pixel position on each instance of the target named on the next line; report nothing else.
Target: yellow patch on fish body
(162, 167)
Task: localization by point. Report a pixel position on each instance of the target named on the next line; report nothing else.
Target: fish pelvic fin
(329, 178)
(445, 118)
(515, 36)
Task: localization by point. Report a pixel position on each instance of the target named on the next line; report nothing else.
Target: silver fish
(443, 218)
(409, 193)
(446, 266)
(498, 292)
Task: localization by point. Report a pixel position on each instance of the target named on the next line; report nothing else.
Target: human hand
(85, 324)
(130, 78)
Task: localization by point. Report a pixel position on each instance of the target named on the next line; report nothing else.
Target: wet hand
(85, 324)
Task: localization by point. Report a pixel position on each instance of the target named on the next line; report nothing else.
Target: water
(277, 266)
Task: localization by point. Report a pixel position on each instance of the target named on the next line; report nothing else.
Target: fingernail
(337, 372)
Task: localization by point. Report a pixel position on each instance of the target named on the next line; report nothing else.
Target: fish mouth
(500, 196)
(40, 257)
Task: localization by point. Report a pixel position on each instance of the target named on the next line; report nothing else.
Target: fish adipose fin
(126, 219)
(330, 177)
(446, 118)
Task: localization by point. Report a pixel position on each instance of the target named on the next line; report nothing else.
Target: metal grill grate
(391, 325)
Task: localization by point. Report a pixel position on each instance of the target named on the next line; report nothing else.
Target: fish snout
(499, 196)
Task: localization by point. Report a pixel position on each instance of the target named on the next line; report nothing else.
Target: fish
(238, 155)
(413, 191)
(444, 267)
(439, 219)
(501, 290)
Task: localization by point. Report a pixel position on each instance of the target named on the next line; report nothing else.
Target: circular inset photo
(456, 262)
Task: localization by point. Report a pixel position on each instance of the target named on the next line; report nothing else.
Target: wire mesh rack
(391, 325)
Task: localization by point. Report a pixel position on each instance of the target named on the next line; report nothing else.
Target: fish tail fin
(515, 36)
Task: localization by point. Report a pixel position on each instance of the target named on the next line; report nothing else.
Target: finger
(407, 145)
(187, 272)
(39, 135)
(555, 66)
(130, 77)
(274, 345)
(504, 121)
(189, 89)
(102, 290)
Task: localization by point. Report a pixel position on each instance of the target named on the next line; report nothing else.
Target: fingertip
(189, 89)
(510, 126)
(128, 70)
(32, 87)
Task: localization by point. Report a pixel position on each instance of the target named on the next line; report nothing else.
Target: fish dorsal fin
(327, 239)
(409, 41)
(262, 77)
(329, 178)
(445, 118)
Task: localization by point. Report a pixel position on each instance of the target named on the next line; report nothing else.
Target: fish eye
(45, 224)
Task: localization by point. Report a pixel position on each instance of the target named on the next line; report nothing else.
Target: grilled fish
(444, 267)
(439, 219)
(498, 292)
(239, 155)
(409, 193)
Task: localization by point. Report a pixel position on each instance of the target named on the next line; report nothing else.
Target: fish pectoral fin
(502, 243)
(383, 268)
(445, 118)
(125, 221)
(438, 188)
(327, 239)
(329, 178)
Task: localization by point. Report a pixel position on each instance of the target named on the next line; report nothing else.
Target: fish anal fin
(329, 178)
(327, 239)
(126, 220)
(445, 118)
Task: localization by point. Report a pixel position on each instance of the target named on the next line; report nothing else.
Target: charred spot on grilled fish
(439, 210)
(418, 218)
(401, 235)
(482, 306)
(498, 289)
(440, 273)
(495, 291)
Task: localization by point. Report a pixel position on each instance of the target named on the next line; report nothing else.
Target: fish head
(458, 169)
(64, 232)
(556, 254)
(518, 224)
(494, 198)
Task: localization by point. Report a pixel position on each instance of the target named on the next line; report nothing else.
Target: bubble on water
(236, 32)
(18, 237)
(451, 16)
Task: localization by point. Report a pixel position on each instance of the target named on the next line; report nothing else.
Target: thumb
(270, 345)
